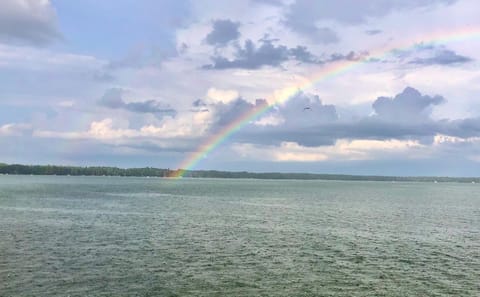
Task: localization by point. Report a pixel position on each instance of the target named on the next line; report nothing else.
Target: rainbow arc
(326, 72)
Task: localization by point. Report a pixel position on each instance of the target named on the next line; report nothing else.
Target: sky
(352, 87)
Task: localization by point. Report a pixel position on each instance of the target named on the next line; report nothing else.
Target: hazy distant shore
(18, 169)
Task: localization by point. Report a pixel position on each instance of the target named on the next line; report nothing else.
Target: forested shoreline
(20, 169)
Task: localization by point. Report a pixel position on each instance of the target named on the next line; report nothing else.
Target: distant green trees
(158, 172)
(73, 170)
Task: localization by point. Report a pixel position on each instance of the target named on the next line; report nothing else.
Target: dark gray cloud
(28, 22)
(373, 32)
(226, 113)
(298, 115)
(301, 115)
(199, 103)
(407, 106)
(303, 15)
(425, 54)
(469, 127)
(442, 57)
(305, 110)
(306, 120)
(113, 99)
(301, 53)
(302, 110)
(199, 106)
(251, 56)
(405, 55)
(328, 133)
(223, 31)
(270, 2)
(351, 56)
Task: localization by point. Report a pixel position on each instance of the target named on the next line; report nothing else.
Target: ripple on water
(154, 237)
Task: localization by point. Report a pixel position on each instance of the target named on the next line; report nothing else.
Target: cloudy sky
(146, 83)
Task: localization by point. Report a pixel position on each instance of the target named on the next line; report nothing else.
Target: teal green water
(113, 236)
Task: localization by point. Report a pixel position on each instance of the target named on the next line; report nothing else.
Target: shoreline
(150, 172)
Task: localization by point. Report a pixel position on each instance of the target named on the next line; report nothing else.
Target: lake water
(114, 236)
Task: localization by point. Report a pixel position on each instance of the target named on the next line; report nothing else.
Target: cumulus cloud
(226, 113)
(301, 111)
(305, 120)
(307, 109)
(288, 122)
(401, 126)
(28, 21)
(251, 56)
(341, 150)
(464, 128)
(113, 98)
(407, 106)
(15, 129)
(442, 57)
(302, 116)
(301, 53)
(424, 54)
(219, 95)
(302, 129)
(351, 56)
(106, 130)
(223, 31)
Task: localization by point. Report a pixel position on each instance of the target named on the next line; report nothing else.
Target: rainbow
(326, 72)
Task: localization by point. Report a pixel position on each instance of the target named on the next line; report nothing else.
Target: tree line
(159, 172)
(75, 170)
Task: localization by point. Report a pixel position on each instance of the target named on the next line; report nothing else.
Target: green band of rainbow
(326, 72)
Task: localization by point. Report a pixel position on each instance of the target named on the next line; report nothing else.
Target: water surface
(117, 236)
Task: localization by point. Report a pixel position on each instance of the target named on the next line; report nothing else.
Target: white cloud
(28, 21)
(219, 95)
(22, 57)
(343, 149)
(270, 120)
(36, 77)
(14, 129)
(105, 130)
(65, 86)
(440, 139)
